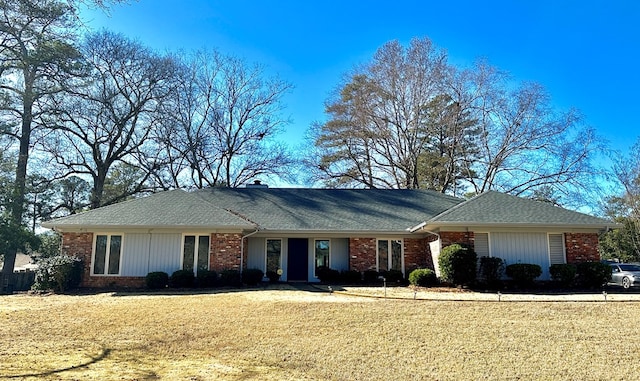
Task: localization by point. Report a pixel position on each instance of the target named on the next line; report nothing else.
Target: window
(106, 254)
(195, 253)
(274, 251)
(390, 255)
(322, 248)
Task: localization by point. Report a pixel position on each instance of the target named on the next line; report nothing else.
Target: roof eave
(602, 226)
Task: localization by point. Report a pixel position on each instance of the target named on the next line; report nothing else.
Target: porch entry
(298, 259)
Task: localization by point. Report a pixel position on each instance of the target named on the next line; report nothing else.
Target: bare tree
(525, 144)
(408, 119)
(112, 114)
(36, 57)
(222, 123)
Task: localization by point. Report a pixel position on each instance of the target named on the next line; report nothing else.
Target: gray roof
(322, 210)
(175, 208)
(495, 208)
(353, 210)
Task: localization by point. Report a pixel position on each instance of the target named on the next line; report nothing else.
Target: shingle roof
(175, 208)
(495, 208)
(297, 209)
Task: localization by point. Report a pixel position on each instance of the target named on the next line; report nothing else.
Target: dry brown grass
(292, 335)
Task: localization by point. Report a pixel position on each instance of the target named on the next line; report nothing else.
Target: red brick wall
(417, 254)
(80, 245)
(225, 251)
(362, 254)
(448, 238)
(581, 247)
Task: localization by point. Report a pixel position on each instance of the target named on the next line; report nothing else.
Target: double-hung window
(195, 253)
(106, 254)
(390, 255)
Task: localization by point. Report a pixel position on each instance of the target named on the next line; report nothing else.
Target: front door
(298, 259)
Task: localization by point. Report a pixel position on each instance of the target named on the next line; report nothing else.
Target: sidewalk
(613, 295)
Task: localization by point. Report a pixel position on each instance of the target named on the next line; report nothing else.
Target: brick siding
(225, 251)
(448, 238)
(581, 247)
(417, 254)
(362, 254)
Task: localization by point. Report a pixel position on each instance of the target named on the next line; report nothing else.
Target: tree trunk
(9, 262)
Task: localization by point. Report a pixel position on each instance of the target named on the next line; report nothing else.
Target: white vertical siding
(165, 251)
(556, 249)
(256, 253)
(339, 255)
(135, 255)
(522, 248)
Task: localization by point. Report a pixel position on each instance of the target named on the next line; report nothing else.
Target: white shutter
(556, 249)
(481, 244)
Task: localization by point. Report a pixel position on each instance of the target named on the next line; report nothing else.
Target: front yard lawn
(296, 335)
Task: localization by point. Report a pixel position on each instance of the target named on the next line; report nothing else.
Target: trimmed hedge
(156, 280)
(491, 270)
(230, 278)
(393, 276)
(593, 274)
(252, 277)
(273, 276)
(458, 264)
(207, 278)
(327, 275)
(370, 276)
(563, 274)
(523, 273)
(182, 279)
(423, 278)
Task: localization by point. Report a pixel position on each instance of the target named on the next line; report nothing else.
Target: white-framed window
(321, 254)
(195, 252)
(390, 255)
(107, 250)
(274, 255)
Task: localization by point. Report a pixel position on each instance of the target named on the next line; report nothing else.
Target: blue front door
(298, 259)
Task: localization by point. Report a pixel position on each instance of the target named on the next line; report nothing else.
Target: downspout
(242, 247)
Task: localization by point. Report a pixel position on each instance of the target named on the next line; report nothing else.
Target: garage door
(522, 248)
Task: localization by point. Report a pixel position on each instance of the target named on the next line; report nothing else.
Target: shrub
(327, 275)
(393, 276)
(350, 276)
(458, 264)
(252, 277)
(593, 274)
(370, 276)
(157, 279)
(491, 270)
(273, 276)
(423, 278)
(182, 278)
(523, 274)
(563, 274)
(230, 278)
(58, 273)
(207, 278)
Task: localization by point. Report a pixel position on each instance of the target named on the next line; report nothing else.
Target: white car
(625, 275)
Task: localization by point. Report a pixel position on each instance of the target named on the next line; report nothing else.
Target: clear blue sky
(584, 52)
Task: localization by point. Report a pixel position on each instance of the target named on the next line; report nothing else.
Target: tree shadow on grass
(104, 354)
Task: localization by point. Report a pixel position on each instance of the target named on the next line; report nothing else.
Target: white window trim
(107, 253)
(266, 252)
(390, 252)
(195, 251)
(314, 253)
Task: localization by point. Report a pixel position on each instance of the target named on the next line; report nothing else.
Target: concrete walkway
(611, 295)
